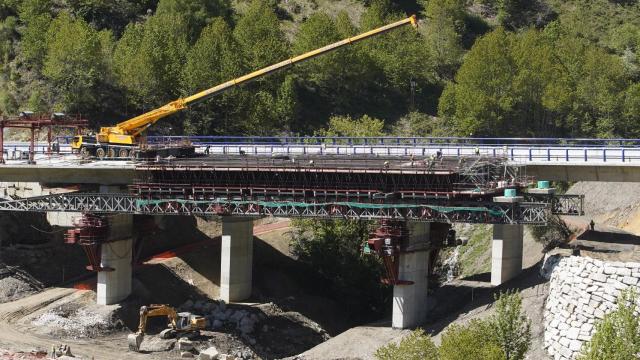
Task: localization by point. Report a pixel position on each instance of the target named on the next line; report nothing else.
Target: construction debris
(210, 354)
(61, 350)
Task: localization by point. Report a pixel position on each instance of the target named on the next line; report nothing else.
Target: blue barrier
(385, 141)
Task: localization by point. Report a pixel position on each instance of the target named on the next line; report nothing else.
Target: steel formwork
(328, 178)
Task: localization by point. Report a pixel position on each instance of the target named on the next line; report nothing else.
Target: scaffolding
(35, 123)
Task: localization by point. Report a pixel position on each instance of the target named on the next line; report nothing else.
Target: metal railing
(521, 150)
(387, 140)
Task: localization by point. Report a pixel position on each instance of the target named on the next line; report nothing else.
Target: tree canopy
(473, 67)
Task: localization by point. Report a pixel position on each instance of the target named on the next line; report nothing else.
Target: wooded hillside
(481, 68)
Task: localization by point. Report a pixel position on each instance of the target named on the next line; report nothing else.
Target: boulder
(185, 345)
(155, 344)
(210, 354)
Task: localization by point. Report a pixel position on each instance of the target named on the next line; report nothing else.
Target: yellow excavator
(122, 140)
(183, 322)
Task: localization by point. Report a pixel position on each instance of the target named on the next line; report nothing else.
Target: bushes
(332, 250)
(473, 341)
(416, 346)
(617, 336)
(505, 335)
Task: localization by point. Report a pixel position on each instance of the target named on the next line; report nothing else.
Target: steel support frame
(475, 212)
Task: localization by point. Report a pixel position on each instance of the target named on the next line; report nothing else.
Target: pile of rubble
(188, 350)
(220, 316)
(73, 321)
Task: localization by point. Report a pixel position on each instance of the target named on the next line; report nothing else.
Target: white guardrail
(521, 154)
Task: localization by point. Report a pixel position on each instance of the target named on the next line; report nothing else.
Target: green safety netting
(358, 205)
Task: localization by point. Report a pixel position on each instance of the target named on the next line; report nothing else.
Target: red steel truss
(35, 123)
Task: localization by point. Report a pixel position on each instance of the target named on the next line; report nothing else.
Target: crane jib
(128, 131)
(298, 59)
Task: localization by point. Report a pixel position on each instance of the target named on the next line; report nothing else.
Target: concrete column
(506, 253)
(115, 286)
(236, 259)
(410, 301)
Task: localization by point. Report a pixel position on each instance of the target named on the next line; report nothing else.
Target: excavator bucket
(134, 341)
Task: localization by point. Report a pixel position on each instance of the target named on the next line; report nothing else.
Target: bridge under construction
(414, 199)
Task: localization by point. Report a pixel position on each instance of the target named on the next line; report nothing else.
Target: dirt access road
(18, 332)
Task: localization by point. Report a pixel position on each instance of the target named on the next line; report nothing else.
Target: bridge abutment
(410, 300)
(506, 252)
(116, 253)
(236, 259)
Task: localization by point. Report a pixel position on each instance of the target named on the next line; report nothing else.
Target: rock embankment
(581, 291)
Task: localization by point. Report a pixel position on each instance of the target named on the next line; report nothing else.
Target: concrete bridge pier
(236, 259)
(506, 252)
(116, 253)
(410, 301)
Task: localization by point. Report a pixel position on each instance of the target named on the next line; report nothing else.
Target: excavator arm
(128, 131)
(146, 312)
(156, 310)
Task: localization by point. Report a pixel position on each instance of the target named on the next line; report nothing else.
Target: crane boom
(126, 131)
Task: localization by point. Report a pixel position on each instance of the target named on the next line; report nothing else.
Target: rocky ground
(269, 327)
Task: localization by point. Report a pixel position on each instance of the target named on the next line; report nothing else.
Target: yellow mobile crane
(122, 139)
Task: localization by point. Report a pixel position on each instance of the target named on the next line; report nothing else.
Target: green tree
(149, 59)
(332, 249)
(420, 124)
(336, 82)
(445, 26)
(472, 341)
(631, 111)
(259, 35)
(617, 336)
(347, 126)
(271, 103)
(196, 14)
(74, 62)
(8, 37)
(482, 98)
(211, 61)
(35, 16)
(509, 327)
(415, 346)
(112, 15)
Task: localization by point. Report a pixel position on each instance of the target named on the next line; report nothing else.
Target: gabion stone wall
(581, 291)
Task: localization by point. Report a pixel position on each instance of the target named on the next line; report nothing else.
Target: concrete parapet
(236, 259)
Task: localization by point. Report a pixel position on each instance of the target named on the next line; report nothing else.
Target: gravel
(79, 323)
(12, 288)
